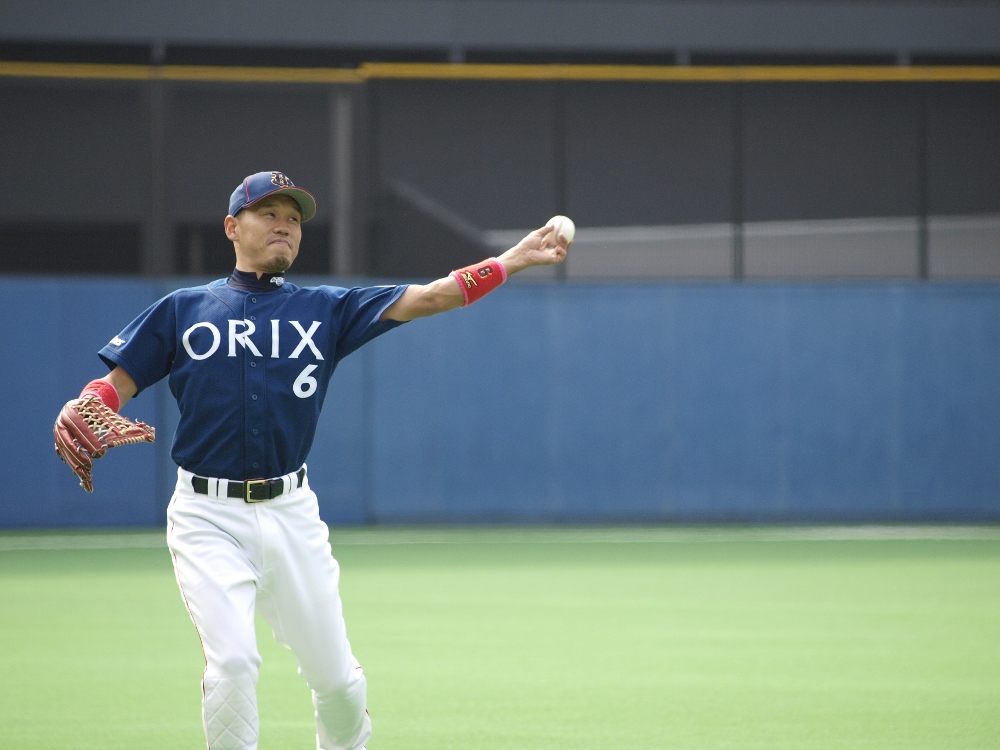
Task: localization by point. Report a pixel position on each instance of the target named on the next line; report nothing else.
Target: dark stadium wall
(472, 28)
(496, 154)
(587, 403)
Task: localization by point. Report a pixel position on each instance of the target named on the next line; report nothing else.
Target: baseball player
(249, 360)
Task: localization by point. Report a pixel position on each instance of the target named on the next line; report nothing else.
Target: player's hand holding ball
(543, 247)
(563, 232)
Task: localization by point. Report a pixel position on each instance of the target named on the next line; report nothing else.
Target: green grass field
(629, 639)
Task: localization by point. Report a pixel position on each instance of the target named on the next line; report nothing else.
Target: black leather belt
(252, 490)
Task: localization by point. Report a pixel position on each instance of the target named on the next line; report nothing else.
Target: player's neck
(244, 268)
(251, 281)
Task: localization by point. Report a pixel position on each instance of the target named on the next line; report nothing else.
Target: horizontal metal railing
(510, 72)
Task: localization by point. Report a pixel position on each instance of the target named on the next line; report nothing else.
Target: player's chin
(278, 263)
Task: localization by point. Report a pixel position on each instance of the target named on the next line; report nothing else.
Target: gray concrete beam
(833, 27)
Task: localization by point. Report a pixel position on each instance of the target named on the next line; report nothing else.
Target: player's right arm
(423, 300)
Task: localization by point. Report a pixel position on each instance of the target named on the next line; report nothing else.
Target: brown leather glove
(86, 428)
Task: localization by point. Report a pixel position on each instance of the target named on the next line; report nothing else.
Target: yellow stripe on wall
(257, 75)
(491, 72)
(681, 73)
(210, 73)
(75, 70)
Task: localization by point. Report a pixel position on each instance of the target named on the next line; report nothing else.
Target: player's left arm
(423, 300)
(123, 383)
(89, 425)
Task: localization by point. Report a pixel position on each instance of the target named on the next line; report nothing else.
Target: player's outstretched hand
(539, 248)
(543, 247)
(84, 431)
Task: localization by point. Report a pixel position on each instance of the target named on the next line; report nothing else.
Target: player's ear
(231, 226)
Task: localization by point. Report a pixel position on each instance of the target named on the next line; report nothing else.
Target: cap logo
(277, 178)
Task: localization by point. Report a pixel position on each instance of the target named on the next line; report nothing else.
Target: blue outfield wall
(577, 402)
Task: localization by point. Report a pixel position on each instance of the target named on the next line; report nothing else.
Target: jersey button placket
(256, 405)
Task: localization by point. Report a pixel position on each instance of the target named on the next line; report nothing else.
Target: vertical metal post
(196, 253)
(157, 250)
(368, 188)
(739, 259)
(456, 48)
(342, 181)
(923, 245)
(558, 99)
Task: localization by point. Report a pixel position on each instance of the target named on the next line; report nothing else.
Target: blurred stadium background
(782, 304)
(782, 307)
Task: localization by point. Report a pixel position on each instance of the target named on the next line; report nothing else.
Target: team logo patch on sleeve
(117, 341)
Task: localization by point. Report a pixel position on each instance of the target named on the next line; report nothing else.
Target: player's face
(266, 235)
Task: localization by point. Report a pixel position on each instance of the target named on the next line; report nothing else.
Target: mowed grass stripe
(793, 646)
(610, 535)
(107, 540)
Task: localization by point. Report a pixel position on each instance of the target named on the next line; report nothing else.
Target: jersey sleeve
(359, 310)
(145, 349)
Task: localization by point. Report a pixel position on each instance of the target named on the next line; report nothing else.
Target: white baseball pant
(232, 557)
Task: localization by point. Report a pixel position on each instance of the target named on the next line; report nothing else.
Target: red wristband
(104, 391)
(479, 280)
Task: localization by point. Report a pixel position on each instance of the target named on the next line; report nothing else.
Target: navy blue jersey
(249, 369)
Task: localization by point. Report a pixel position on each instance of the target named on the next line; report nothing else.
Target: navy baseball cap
(256, 186)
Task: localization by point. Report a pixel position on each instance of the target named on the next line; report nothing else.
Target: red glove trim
(104, 391)
(479, 280)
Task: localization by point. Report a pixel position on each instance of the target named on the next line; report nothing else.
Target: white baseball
(561, 225)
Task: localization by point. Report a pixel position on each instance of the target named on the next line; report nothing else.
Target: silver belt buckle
(248, 491)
